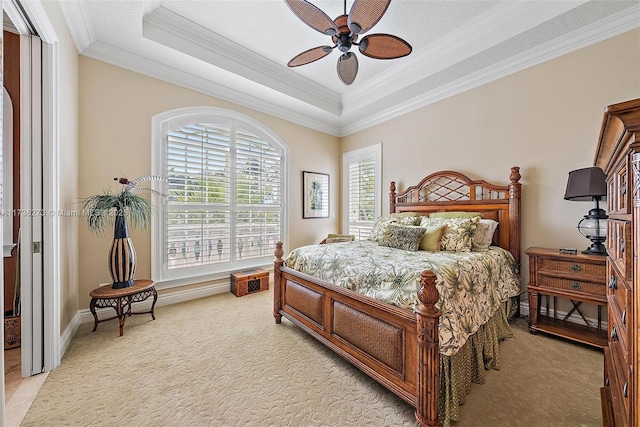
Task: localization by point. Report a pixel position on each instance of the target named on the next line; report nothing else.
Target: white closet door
(31, 207)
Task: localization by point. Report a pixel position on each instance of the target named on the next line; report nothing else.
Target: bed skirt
(469, 364)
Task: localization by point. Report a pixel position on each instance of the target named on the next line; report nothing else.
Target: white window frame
(162, 124)
(366, 153)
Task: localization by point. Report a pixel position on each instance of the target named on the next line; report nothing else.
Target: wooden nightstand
(579, 278)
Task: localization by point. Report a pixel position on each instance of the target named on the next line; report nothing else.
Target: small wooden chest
(249, 281)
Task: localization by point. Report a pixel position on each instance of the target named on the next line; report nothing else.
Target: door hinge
(37, 247)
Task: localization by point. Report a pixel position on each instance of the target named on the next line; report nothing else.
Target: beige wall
(68, 163)
(545, 119)
(116, 107)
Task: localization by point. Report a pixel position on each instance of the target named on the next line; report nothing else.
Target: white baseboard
(574, 318)
(163, 299)
(85, 316)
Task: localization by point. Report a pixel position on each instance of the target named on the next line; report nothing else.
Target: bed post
(392, 197)
(428, 381)
(276, 282)
(515, 190)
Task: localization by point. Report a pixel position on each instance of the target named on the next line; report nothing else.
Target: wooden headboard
(453, 191)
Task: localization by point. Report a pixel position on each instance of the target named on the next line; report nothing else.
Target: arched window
(221, 203)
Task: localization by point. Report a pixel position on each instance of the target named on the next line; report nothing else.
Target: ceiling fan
(344, 32)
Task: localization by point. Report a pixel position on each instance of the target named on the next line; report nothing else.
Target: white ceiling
(237, 50)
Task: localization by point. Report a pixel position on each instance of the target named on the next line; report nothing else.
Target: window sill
(170, 283)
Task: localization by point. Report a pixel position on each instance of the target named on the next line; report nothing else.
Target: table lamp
(588, 184)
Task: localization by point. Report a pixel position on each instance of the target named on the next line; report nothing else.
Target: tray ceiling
(237, 50)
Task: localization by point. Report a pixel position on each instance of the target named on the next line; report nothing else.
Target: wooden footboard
(395, 347)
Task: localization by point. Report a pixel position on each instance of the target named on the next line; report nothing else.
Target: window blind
(225, 199)
(361, 197)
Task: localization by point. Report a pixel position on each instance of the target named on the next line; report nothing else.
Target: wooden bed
(397, 347)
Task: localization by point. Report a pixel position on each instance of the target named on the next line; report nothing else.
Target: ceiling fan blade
(312, 16)
(364, 14)
(347, 67)
(309, 56)
(384, 46)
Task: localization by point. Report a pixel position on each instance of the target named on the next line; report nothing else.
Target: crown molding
(616, 24)
(494, 26)
(175, 31)
(77, 18)
(372, 97)
(123, 59)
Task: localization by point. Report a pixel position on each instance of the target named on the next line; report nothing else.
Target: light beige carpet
(222, 361)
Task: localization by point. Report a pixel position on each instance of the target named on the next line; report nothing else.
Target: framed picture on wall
(315, 195)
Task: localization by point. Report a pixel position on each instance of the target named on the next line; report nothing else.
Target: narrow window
(362, 190)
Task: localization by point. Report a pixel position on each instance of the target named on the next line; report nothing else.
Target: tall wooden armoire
(618, 154)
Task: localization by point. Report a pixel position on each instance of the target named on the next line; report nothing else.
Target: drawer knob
(614, 333)
(623, 190)
(575, 286)
(607, 383)
(622, 245)
(624, 317)
(613, 283)
(625, 389)
(575, 267)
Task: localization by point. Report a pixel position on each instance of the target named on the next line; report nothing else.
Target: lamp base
(596, 249)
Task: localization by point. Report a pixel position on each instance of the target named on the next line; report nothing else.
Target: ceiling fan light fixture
(355, 28)
(344, 43)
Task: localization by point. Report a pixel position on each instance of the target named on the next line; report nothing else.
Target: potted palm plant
(120, 209)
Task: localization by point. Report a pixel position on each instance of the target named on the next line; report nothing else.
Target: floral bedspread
(471, 284)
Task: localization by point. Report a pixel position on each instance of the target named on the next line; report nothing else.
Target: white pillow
(483, 235)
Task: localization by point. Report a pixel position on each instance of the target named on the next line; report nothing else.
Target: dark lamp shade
(585, 184)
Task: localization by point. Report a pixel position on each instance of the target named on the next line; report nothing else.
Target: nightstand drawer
(576, 285)
(575, 268)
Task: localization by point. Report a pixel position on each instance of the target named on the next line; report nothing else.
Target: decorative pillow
(338, 239)
(379, 225)
(350, 236)
(458, 235)
(409, 220)
(483, 236)
(454, 214)
(401, 237)
(431, 239)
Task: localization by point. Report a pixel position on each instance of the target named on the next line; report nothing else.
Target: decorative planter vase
(122, 256)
